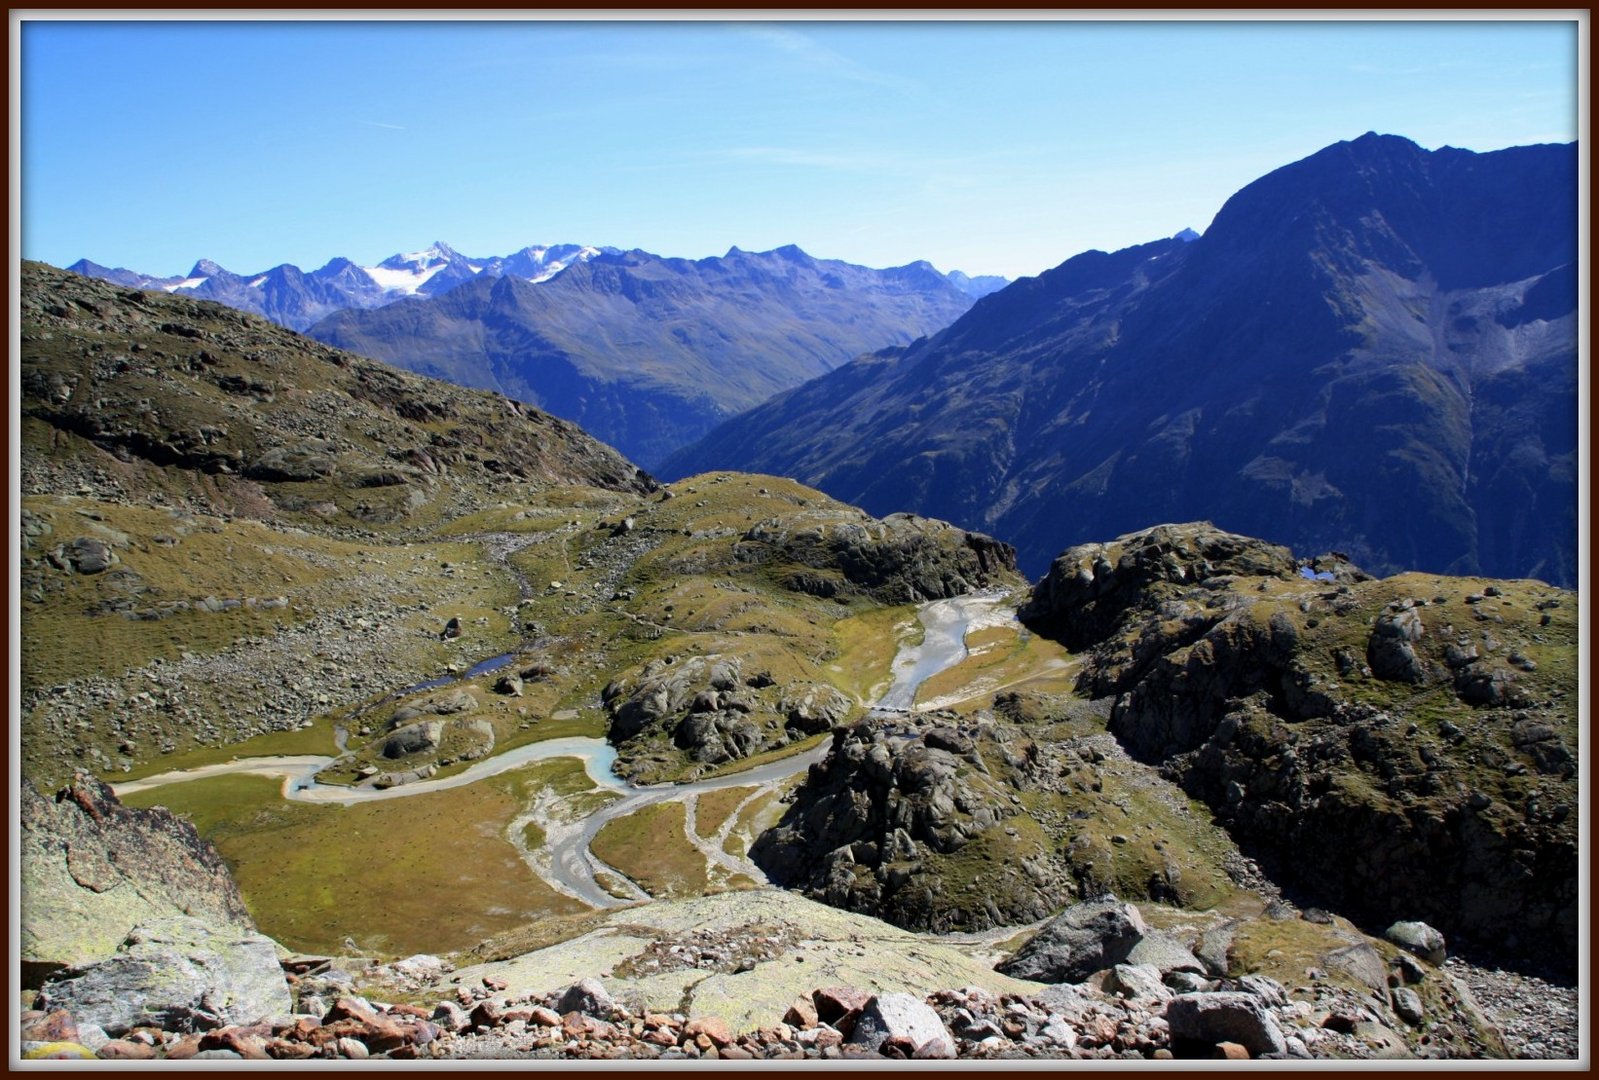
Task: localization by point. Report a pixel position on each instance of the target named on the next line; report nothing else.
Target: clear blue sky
(984, 147)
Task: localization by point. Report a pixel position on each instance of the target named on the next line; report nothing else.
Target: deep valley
(368, 715)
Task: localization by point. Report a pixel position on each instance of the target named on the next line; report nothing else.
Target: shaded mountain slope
(650, 353)
(1372, 350)
(162, 398)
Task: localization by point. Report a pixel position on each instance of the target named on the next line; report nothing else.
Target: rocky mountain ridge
(298, 298)
(649, 353)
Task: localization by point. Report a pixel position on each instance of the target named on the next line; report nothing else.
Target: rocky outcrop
(899, 559)
(878, 823)
(1391, 747)
(93, 870)
(1091, 590)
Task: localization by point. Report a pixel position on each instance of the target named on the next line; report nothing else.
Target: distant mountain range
(1371, 350)
(648, 353)
(295, 298)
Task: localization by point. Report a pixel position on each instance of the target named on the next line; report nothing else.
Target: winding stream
(565, 861)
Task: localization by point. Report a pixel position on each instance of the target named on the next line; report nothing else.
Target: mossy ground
(651, 847)
(714, 807)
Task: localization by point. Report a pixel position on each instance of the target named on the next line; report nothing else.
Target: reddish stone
(712, 1026)
(301, 1029)
(244, 1042)
(658, 1020)
(56, 1025)
(574, 1025)
(486, 1015)
(125, 1050)
(185, 1047)
(1100, 1029)
(660, 1037)
(828, 1036)
(1231, 1051)
(703, 1041)
(347, 1008)
(544, 1016)
(494, 983)
(285, 1050)
(410, 1010)
(835, 1002)
(801, 1014)
(382, 1034)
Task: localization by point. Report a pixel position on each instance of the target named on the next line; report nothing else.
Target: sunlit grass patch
(713, 808)
(650, 847)
(425, 873)
(865, 646)
(1000, 658)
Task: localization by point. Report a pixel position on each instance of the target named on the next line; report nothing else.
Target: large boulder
(1420, 939)
(902, 1017)
(413, 739)
(179, 974)
(93, 869)
(1208, 1019)
(1081, 940)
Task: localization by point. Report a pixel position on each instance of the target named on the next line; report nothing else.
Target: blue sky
(985, 147)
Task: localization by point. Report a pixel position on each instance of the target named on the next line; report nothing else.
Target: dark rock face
(1372, 350)
(878, 821)
(1371, 742)
(93, 869)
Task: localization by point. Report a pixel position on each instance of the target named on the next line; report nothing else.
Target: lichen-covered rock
(93, 869)
(178, 974)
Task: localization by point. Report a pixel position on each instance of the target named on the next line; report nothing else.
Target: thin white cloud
(378, 124)
(808, 50)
